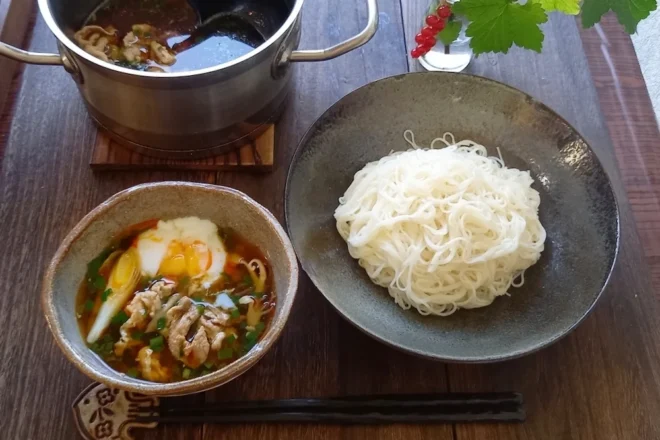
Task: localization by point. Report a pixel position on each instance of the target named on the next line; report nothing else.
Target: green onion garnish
(161, 323)
(247, 280)
(230, 339)
(186, 373)
(225, 353)
(157, 344)
(120, 318)
(133, 372)
(235, 314)
(106, 293)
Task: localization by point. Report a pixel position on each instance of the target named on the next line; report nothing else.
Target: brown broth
(235, 279)
(172, 24)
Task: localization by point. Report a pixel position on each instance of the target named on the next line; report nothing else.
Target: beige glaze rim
(200, 384)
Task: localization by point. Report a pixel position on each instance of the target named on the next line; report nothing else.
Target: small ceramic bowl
(225, 207)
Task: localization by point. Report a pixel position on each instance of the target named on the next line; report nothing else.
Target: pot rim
(44, 7)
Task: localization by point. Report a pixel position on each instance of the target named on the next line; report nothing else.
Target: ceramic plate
(578, 210)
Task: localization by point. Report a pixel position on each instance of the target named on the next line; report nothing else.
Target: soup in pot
(166, 36)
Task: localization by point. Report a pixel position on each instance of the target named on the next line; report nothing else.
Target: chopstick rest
(102, 412)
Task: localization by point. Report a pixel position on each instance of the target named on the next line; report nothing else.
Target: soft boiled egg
(187, 246)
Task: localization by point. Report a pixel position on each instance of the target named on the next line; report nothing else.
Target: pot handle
(16, 54)
(344, 46)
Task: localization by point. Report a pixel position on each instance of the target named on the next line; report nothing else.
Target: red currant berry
(420, 38)
(430, 42)
(432, 20)
(427, 47)
(444, 11)
(439, 27)
(417, 52)
(428, 31)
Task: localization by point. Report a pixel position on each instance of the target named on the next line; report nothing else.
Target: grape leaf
(495, 25)
(571, 7)
(450, 33)
(629, 12)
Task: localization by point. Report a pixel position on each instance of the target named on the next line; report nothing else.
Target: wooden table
(600, 382)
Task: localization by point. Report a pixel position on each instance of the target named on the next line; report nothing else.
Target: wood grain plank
(632, 125)
(602, 381)
(14, 24)
(108, 155)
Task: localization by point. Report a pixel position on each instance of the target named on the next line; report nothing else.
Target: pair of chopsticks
(425, 408)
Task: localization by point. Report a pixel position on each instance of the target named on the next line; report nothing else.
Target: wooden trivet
(255, 156)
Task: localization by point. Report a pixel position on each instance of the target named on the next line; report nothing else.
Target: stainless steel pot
(187, 114)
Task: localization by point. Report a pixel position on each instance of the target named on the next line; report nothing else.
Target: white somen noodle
(442, 229)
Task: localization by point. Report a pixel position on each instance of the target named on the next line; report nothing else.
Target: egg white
(152, 245)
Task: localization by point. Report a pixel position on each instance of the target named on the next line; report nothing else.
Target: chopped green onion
(247, 280)
(98, 282)
(260, 327)
(89, 305)
(106, 294)
(200, 308)
(186, 373)
(230, 339)
(161, 323)
(251, 336)
(225, 353)
(208, 364)
(133, 372)
(235, 314)
(137, 335)
(157, 344)
(249, 345)
(120, 318)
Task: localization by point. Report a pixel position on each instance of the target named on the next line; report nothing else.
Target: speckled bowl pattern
(578, 210)
(225, 207)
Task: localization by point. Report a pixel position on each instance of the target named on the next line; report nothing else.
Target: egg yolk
(189, 259)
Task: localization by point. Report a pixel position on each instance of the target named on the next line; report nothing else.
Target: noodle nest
(442, 229)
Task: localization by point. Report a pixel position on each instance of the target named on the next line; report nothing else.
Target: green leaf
(496, 25)
(571, 7)
(629, 12)
(450, 33)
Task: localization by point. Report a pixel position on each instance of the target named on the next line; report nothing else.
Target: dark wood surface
(14, 24)
(632, 126)
(601, 382)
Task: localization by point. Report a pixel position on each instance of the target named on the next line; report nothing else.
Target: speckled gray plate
(578, 210)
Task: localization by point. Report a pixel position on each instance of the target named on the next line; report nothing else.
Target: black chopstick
(429, 408)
